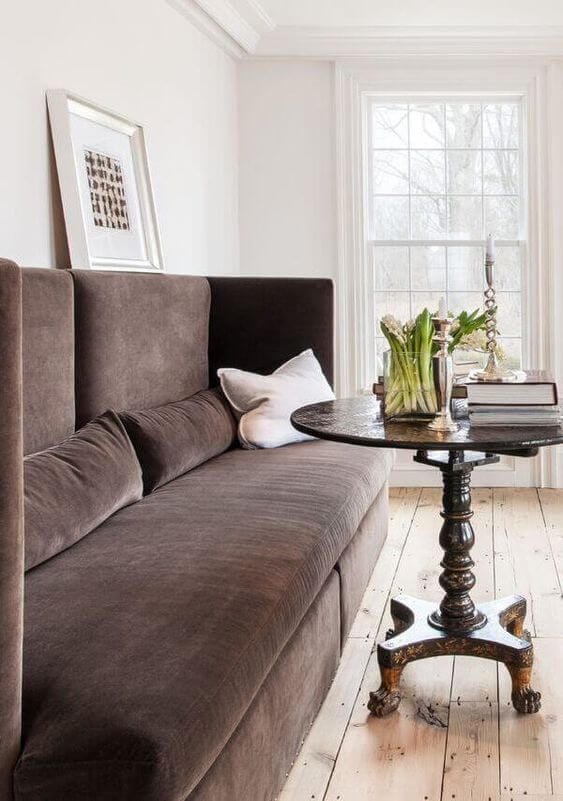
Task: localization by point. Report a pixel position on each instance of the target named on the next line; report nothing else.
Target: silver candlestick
(443, 376)
(493, 370)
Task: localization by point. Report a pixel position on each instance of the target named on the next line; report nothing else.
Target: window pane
(425, 300)
(390, 125)
(465, 301)
(500, 172)
(381, 345)
(464, 172)
(448, 171)
(463, 124)
(428, 217)
(395, 303)
(427, 172)
(501, 217)
(390, 217)
(466, 270)
(501, 124)
(465, 217)
(391, 172)
(428, 268)
(391, 267)
(513, 352)
(427, 125)
(509, 314)
(508, 269)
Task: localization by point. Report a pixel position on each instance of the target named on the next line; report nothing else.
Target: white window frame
(539, 81)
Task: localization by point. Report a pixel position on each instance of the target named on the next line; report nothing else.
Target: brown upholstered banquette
(182, 648)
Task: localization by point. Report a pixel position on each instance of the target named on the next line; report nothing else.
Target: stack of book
(531, 402)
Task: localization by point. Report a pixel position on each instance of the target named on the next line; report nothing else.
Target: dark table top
(359, 421)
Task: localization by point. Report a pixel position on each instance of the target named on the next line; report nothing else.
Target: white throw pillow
(264, 403)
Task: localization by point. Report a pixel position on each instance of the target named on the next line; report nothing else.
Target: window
(442, 174)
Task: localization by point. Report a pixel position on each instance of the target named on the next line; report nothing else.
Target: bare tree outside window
(442, 175)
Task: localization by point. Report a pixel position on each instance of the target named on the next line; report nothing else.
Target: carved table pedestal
(457, 625)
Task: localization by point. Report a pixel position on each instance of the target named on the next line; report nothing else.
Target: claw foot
(383, 702)
(390, 633)
(526, 700)
(526, 635)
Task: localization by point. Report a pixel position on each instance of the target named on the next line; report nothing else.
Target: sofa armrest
(11, 522)
(258, 323)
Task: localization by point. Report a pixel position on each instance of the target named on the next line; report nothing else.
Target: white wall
(141, 59)
(287, 175)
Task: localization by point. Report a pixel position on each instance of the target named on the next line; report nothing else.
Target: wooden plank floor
(455, 735)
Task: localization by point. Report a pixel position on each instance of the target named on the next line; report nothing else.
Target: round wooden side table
(493, 630)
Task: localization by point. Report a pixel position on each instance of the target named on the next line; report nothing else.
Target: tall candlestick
(493, 371)
(443, 369)
(442, 309)
(491, 251)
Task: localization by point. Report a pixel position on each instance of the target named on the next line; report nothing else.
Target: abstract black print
(107, 191)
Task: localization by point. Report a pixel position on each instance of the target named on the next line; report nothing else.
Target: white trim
(193, 12)
(526, 77)
(232, 22)
(255, 14)
(343, 42)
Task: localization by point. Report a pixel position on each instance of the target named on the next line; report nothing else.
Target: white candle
(490, 248)
(442, 309)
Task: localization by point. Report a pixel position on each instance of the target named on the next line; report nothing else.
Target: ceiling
(345, 13)
(343, 28)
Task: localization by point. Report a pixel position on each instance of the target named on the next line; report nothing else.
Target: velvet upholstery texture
(254, 764)
(186, 599)
(11, 523)
(176, 437)
(73, 487)
(48, 357)
(257, 324)
(141, 340)
(356, 564)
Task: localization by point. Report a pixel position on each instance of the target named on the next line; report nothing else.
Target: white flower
(477, 341)
(394, 327)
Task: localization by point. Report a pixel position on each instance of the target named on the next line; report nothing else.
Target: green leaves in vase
(409, 374)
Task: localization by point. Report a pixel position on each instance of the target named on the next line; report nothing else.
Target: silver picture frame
(105, 184)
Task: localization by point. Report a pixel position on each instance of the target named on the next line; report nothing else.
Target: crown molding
(235, 25)
(245, 30)
(335, 43)
(255, 14)
(193, 12)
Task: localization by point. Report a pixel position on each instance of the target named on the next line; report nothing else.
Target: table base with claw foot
(456, 626)
(493, 630)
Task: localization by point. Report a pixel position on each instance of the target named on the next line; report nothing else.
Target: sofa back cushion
(176, 437)
(72, 487)
(47, 357)
(141, 340)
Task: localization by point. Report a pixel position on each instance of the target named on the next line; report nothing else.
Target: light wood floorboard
(455, 735)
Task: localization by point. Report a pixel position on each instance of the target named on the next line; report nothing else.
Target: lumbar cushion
(71, 488)
(264, 403)
(176, 437)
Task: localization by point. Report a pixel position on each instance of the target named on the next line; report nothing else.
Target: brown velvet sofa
(182, 649)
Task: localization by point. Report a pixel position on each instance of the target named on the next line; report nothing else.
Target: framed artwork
(105, 185)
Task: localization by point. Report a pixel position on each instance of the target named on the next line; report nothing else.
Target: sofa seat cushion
(147, 641)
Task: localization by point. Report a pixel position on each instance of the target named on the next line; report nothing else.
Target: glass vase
(409, 385)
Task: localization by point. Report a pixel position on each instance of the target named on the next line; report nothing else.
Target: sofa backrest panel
(259, 323)
(48, 357)
(11, 523)
(141, 340)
